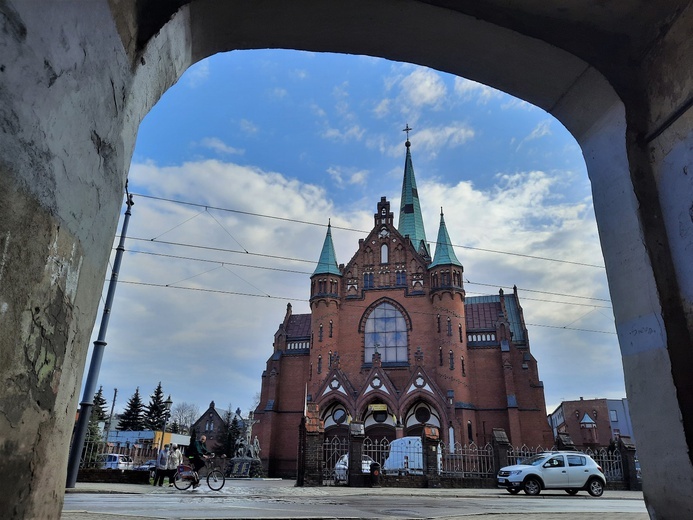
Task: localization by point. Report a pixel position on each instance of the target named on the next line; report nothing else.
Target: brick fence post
(628, 456)
(356, 478)
(501, 447)
(310, 448)
(430, 443)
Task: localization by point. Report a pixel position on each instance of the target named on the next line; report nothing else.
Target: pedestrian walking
(175, 459)
(161, 465)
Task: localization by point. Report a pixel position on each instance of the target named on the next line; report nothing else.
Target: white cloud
(422, 87)
(343, 176)
(278, 93)
(216, 144)
(227, 338)
(248, 127)
(354, 132)
(197, 74)
(542, 129)
(469, 90)
(431, 140)
(382, 109)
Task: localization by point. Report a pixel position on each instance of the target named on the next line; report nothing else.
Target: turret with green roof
(445, 254)
(327, 264)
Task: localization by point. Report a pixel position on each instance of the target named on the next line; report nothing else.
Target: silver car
(341, 469)
(571, 471)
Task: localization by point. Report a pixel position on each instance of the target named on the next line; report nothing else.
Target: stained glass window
(386, 333)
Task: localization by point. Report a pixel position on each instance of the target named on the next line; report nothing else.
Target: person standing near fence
(161, 465)
(175, 459)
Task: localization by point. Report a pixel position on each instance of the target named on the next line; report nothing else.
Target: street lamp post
(167, 413)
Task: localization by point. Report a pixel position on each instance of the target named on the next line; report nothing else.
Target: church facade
(393, 341)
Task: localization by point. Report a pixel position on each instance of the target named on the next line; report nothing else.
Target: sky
(241, 165)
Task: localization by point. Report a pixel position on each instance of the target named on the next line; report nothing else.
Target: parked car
(150, 466)
(571, 471)
(341, 469)
(114, 461)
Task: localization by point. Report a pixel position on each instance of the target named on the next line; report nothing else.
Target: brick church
(393, 341)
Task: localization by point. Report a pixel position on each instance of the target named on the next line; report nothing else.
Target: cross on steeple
(407, 130)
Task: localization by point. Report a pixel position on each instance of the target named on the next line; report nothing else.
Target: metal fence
(94, 450)
(517, 454)
(455, 461)
(467, 461)
(610, 461)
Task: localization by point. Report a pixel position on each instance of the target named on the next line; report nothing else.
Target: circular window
(422, 414)
(339, 416)
(380, 416)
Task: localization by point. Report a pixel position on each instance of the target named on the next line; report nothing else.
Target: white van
(405, 457)
(114, 461)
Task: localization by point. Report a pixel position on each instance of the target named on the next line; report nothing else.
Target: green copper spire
(445, 255)
(328, 259)
(410, 219)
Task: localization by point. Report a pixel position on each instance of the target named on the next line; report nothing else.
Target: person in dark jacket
(198, 454)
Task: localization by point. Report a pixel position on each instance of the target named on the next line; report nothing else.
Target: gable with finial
(378, 381)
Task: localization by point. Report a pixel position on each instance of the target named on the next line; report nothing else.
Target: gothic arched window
(384, 254)
(386, 331)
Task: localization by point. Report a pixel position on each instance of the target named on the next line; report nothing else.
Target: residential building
(592, 423)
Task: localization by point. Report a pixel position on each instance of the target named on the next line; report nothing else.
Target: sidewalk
(261, 492)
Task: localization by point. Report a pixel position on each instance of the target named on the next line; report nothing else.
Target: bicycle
(186, 476)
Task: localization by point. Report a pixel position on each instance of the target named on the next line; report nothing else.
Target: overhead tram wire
(284, 258)
(306, 222)
(236, 293)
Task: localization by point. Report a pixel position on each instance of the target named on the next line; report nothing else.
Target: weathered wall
(76, 78)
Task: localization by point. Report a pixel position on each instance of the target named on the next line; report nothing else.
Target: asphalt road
(272, 499)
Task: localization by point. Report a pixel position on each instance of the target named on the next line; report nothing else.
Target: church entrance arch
(379, 421)
(418, 415)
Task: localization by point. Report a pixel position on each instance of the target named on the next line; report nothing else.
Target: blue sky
(308, 137)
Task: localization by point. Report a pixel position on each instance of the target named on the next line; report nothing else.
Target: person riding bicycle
(198, 454)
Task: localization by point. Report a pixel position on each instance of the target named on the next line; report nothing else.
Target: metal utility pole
(97, 355)
(110, 417)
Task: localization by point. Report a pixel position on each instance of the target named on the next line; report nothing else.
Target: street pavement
(275, 499)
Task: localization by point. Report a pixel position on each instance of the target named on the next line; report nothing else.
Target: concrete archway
(76, 81)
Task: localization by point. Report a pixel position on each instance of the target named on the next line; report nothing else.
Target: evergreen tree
(98, 412)
(133, 416)
(155, 412)
(230, 431)
(175, 427)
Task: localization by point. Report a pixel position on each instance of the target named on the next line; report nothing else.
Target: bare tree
(185, 414)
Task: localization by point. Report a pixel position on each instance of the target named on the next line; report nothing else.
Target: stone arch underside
(139, 54)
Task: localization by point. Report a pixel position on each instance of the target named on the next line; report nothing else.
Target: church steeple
(410, 219)
(445, 254)
(328, 259)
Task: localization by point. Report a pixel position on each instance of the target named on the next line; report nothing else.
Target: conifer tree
(98, 412)
(230, 431)
(155, 412)
(133, 416)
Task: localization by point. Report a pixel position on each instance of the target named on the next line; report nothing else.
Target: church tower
(393, 341)
(410, 219)
(325, 293)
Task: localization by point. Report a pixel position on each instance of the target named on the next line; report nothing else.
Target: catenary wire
(306, 222)
(236, 293)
